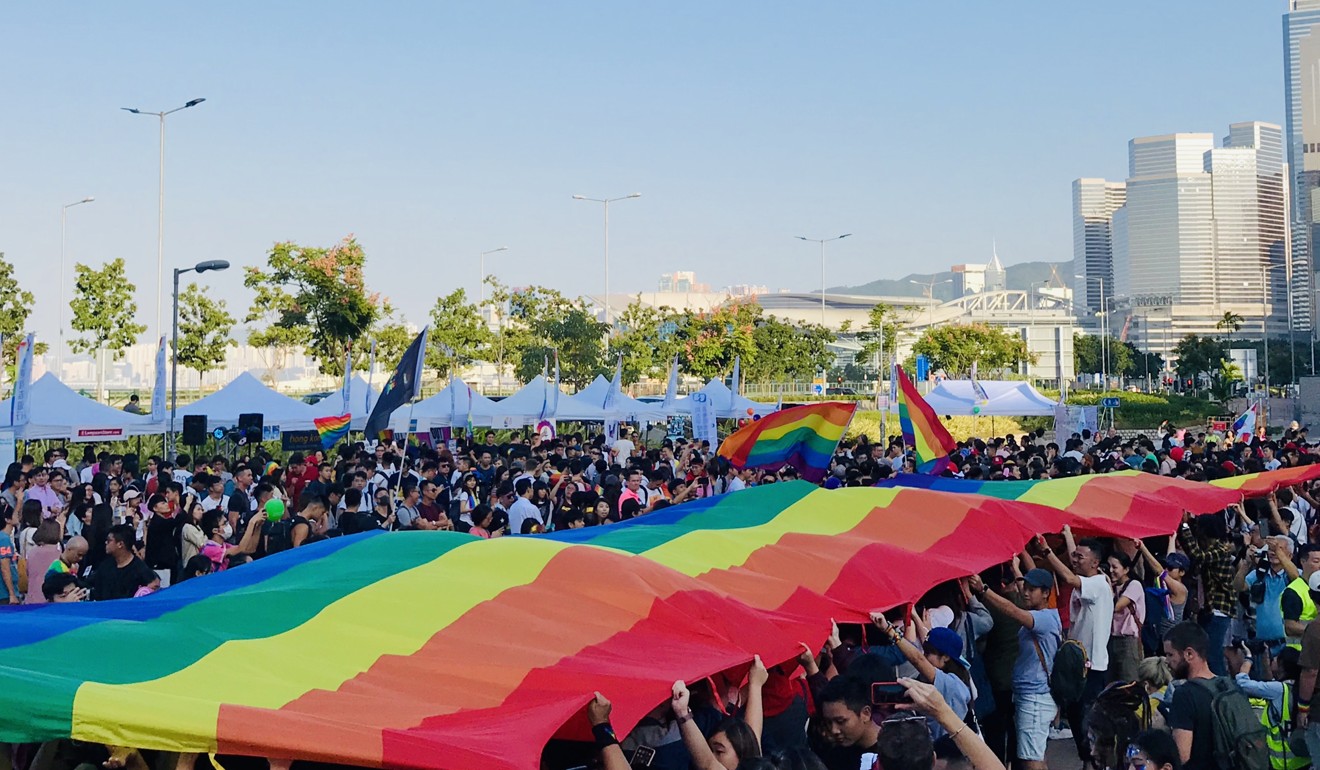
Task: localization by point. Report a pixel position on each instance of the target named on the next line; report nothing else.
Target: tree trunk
(100, 375)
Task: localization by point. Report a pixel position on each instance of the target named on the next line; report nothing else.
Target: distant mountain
(1019, 276)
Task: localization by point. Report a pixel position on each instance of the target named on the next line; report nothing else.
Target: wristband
(1303, 707)
(604, 735)
(684, 718)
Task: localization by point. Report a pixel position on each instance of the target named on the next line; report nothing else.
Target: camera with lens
(1262, 570)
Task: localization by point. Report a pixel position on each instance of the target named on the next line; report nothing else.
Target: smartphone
(889, 693)
(643, 756)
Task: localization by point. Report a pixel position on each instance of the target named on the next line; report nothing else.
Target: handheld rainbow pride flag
(332, 429)
(922, 429)
(802, 436)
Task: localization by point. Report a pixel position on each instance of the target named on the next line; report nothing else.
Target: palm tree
(1231, 323)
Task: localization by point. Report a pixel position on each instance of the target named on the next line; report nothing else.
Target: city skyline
(453, 131)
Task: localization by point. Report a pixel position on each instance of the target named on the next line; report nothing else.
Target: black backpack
(279, 537)
(1239, 735)
(1068, 677)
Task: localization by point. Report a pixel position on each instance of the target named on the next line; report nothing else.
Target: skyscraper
(1301, 41)
(1199, 226)
(1094, 204)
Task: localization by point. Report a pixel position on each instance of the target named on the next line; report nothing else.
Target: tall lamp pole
(822, 242)
(1104, 333)
(64, 216)
(605, 202)
(483, 274)
(160, 215)
(200, 267)
(930, 297)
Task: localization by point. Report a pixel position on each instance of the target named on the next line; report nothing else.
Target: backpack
(279, 537)
(1239, 735)
(1068, 678)
(1120, 712)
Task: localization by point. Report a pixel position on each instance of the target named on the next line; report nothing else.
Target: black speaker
(250, 425)
(194, 429)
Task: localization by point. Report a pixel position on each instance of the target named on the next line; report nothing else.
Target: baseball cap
(1177, 453)
(946, 641)
(1039, 578)
(1177, 560)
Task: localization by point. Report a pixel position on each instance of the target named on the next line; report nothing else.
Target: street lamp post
(64, 215)
(605, 202)
(1104, 334)
(930, 297)
(822, 242)
(160, 215)
(200, 267)
(483, 272)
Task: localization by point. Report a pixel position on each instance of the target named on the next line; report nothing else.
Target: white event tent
(588, 404)
(248, 395)
(361, 398)
(727, 403)
(1007, 398)
(536, 401)
(56, 411)
(451, 406)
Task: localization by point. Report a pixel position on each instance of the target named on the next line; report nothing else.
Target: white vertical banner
(371, 366)
(18, 405)
(158, 393)
(671, 390)
(347, 390)
(703, 419)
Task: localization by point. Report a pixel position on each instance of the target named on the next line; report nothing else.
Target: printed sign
(97, 434)
(299, 440)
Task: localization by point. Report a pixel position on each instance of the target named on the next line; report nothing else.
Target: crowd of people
(1192, 651)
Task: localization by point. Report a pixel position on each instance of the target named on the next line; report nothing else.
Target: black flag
(403, 386)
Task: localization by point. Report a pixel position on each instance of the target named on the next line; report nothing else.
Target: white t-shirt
(210, 504)
(1091, 611)
(623, 449)
(521, 510)
(736, 484)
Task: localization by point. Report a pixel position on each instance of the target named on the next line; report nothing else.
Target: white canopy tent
(727, 404)
(536, 401)
(588, 404)
(361, 398)
(451, 406)
(1007, 398)
(248, 395)
(56, 411)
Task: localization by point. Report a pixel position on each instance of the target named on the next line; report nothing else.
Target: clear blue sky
(434, 131)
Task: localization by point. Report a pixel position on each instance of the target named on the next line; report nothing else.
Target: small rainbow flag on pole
(922, 429)
(802, 436)
(332, 429)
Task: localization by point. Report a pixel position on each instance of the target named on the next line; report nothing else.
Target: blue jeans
(1217, 629)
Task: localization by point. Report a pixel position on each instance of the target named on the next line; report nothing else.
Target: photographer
(1208, 545)
(1265, 574)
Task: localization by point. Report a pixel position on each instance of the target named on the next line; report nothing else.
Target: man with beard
(1190, 715)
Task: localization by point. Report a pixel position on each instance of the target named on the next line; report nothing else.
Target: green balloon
(274, 509)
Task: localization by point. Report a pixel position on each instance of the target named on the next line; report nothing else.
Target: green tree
(103, 314)
(1089, 355)
(15, 306)
(712, 341)
(578, 337)
(648, 339)
(786, 352)
(314, 298)
(205, 326)
(1200, 356)
(1231, 322)
(459, 336)
(879, 335)
(392, 338)
(955, 347)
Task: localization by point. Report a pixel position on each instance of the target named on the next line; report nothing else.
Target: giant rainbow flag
(802, 436)
(442, 650)
(922, 429)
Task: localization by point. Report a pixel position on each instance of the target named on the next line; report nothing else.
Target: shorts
(1033, 713)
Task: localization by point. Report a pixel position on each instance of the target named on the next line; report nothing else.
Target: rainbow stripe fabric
(802, 436)
(332, 429)
(922, 429)
(442, 650)
(1257, 484)
(1126, 504)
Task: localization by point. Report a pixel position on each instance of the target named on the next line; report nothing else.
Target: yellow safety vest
(1282, 756)
(1303, 592)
